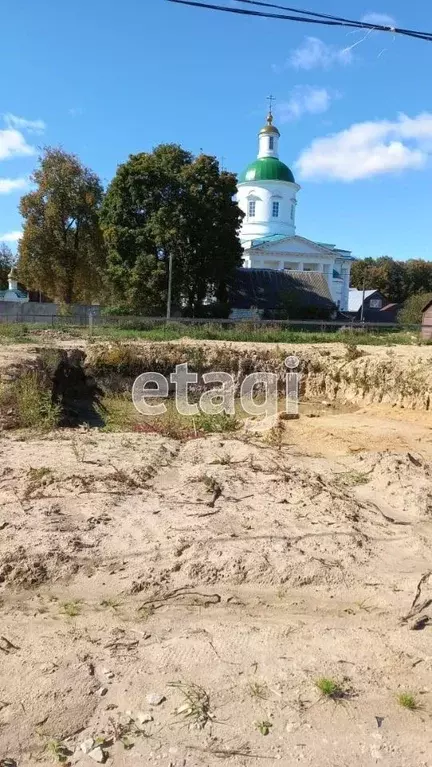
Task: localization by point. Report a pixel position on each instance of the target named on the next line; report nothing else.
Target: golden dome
(269, 128)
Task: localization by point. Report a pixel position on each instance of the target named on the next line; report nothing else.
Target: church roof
(20, 295)
(268, 238)
(266, 288)
(267, 169)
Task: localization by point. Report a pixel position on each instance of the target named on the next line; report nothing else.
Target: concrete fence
(45, 314)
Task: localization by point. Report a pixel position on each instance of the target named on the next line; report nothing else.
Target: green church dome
(267, 169)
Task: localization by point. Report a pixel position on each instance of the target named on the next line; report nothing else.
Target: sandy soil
(131, 562)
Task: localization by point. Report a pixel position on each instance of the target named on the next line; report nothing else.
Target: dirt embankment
(399, 376)
(343, 373)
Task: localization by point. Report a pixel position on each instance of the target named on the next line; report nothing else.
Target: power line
(307, 17)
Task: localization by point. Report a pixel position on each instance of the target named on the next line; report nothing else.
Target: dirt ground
(175, 603)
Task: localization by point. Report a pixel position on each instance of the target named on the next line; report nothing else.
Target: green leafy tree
(382, 274)
(418, 276)
(62, 251)
(6, 263)
(170, 204)
(411, 312)
(398, 280)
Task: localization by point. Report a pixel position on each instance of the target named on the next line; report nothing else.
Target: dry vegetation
(188, 597)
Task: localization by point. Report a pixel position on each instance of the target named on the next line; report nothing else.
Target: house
(376, 307)
(426, 332)
(275, 294)
(267, 195)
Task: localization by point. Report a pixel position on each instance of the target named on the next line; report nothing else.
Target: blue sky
(106, 79)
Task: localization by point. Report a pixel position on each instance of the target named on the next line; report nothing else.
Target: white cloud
(11, 236)
(8, 185)
(21, 123)
(76, 111)
(305, 99)
(369, 149)
(316, 53)
(379, 18)
(13, 144)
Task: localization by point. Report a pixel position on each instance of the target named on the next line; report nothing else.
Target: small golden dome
(269, 128)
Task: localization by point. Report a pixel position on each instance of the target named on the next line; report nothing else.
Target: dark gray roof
(268, 288)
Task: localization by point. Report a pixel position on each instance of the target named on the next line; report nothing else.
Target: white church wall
(264, 223)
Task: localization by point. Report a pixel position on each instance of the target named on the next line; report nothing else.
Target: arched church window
(271, 143)
(252, 208)
(275, 210)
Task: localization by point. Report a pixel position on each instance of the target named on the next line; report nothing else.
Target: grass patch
(353, 478)
(408, 701)
(58, 751)
(250, 333)
(151, 330)
(196, 706)
(330, 688)
(71, 609)
(29, 399)
(211, 424)
(120, 415)
(13, 333)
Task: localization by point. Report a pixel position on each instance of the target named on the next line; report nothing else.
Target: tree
(382, 274)
(62, 251)
(169, 204)
(411, 312)
(6, 263)
(398, 280)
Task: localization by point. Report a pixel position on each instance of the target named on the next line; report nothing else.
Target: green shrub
(411, 312)
(33, 401)
(216, 423)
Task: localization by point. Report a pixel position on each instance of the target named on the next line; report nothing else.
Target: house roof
(267, 288)
(429, 304)
(355, 298)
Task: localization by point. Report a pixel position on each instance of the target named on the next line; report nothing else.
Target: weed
(210, 482)
(407, 700)
(264, 727)
(224, 460)
(352, 478)
(145, 612)
(58, 750)
(78, 450)
(216, 423)
(37, 478)
(330, 688)
(111, 603)
(258, 690)
(71, 609)
(123, 731)
(274, 435)
(33, 403)
(352, 352)
(196, 708)
(362, 605)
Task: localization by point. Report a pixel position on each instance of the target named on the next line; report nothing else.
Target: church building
(267, 194)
